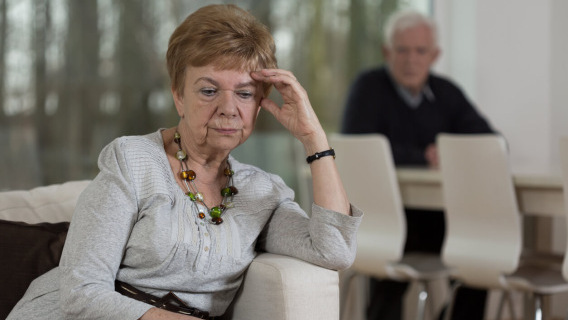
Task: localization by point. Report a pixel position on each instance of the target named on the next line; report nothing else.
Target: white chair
(366, 167)
(484, 235)
(564, 165)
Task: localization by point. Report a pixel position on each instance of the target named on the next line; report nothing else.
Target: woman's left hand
(296, 113)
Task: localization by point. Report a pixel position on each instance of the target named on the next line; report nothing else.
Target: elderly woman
(172, 214)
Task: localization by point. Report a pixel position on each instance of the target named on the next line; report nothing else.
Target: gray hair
(406, 19)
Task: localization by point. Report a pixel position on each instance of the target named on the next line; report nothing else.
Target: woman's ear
(178, 101)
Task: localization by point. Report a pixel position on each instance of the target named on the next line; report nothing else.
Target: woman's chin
(227, 143)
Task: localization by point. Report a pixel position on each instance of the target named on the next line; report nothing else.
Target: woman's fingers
(284, 81)
(270, 105)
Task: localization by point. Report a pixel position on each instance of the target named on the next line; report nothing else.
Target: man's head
(410, 48)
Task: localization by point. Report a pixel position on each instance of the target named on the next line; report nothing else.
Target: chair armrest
(283, 288)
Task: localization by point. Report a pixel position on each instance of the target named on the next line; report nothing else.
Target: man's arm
(466, 118)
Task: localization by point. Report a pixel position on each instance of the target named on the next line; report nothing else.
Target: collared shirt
(412, 101)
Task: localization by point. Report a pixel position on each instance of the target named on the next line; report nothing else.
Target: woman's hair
(405, 19)
(225, 36)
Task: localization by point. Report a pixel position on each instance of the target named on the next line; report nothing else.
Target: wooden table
(538, 193)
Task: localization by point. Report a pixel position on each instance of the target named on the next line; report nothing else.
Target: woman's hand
(296, 113)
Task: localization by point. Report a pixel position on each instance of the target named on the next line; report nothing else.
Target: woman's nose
(227, 104)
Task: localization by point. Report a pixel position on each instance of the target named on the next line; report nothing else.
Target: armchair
(275, 287)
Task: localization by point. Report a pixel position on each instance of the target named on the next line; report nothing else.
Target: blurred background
(75, 74)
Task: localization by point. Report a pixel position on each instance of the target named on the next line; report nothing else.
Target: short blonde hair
(223, 35)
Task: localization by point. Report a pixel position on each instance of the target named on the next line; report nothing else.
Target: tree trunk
(79, 94)
(3, 34)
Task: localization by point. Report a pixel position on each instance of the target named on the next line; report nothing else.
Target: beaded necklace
(188, 177)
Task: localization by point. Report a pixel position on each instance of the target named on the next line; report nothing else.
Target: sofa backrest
(53, 203)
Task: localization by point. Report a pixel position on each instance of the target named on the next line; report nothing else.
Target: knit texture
(135, 224)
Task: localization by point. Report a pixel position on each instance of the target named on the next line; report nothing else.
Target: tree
(3, 34)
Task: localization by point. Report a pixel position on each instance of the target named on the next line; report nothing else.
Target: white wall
(510, 58)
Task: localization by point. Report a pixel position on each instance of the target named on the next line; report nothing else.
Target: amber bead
(222, 207)
(234, 190)
(201, 215)
(217, 220)
(177, 137)
(215, 212)
(187, 175)
(229, 172)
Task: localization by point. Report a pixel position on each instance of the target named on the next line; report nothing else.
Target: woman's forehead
(214, 75)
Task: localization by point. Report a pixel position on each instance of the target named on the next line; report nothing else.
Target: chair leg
(422, 297)
(538, 307)
(501, 304)
(528, 305)
(431, 302)
(450, 305)
(506, 299)
(511, 306)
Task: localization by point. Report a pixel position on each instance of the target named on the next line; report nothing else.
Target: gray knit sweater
(135, 224)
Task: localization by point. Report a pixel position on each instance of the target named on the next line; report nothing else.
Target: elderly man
(407, 103)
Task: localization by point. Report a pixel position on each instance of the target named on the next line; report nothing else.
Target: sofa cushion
(27, 251)
(53, 203)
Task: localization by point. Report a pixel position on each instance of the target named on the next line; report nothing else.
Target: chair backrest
(483, 239)
(564, 165)
(366, 167)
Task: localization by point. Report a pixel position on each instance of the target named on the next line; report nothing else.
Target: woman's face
(218, 107)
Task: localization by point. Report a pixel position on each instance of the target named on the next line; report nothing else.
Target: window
(76, 74)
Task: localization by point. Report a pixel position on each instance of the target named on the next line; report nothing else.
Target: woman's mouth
(226, 131)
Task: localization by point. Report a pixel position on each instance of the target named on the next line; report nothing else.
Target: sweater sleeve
(465, 118)
(469, 120)
(99, 230)
(327, 239)
(361, 110)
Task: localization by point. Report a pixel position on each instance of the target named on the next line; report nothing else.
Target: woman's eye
(245, 94)
(208, 92)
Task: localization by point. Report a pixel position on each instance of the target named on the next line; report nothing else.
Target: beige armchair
(275, 287)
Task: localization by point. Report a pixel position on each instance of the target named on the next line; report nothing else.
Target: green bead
(225, 192)
(191, 196)
(215, 212)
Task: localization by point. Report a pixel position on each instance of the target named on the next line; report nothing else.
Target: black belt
(168, 302)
